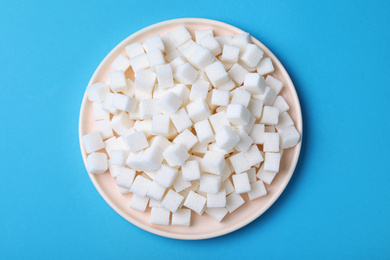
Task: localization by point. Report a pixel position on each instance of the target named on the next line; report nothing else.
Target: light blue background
(337, 203)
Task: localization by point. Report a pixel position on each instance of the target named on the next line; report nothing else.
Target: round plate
(204, 226)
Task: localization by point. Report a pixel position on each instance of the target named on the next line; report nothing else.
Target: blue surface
(337, 203)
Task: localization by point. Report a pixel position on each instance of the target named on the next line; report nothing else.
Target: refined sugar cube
(227, 137)
(160, 124)
(98, 112)
(182, 217)
(113, 169)
(185, 74)
(172, 201)
(155, 58)
(229, 85)
(257, 134)
(265, 66)
(254, 83)
(146, 108)
(253, 155)
(234, 201)
(139, 203)
(216, 200)
(140, 95)
(180, 184)
(97, 163)
(199, 90)
(257, 190)
(271, 142)
(265, 176)
(134, 49)
(118, 81)
(182, 92)
(201, 58)
(210, 43)
(137, 141)
(93, 142)
(284, 121)
(217, 74)
(176, 154)
(111, 144)
(97, 92)
(230, 53)
(251, 174)
(121, 63)
(213, 162)
(175, 63)
(164, 76)
(222, 40)
(217, 213)
(139, 62)
(289, 137)
(202, 33)
(188, 49)
(103, 126)
(190, 170)
(173, 54)
(181, 120)
(107, 104)
(145, 80)
(281, 104)
(227, 186)
(199, 148)
(272, 162)
(251, 55)
(195, 202)
(181, 35)
(255, 107)
(219, 119)
(204, 132)
(121, 122)
(237, 73)
(270, 115)
(241, 96)
(241, 183)
(268, 97)
(226, 172)
(239, 162)
(187, 138)
(156, 191)
(140, 186)
(118, 157)
(241, 40)
(130, 88)
(198, 110)
(165, 176)
(248, 128)
(274, 83)
(169, 103)
(155, 42)
(145, 126)
(245, 141)
(125, 178)
(168, 42)
(161, 142)
(214, 147)
(237, 114)
(155, 204)
(220, 97)
(210, 183)
(123, 102)
(160, 216)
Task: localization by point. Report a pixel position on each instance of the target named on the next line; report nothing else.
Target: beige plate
(204, 226)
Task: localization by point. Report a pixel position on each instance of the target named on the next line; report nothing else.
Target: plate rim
(150, 228)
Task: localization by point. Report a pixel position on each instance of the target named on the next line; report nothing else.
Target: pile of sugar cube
(201, 125)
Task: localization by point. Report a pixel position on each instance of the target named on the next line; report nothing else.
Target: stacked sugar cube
(201, 124)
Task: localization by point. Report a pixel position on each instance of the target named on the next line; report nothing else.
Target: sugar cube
(165, 176)
(169, 103)
(155, 58)
(217, 200)
(237, 73)
(274, 83)
(97, 163)
(180, 183)
(160, 216)
(271, 142)
(253, 155)
(198, 110)
(199, 90)
(237, 114)
(121, 63)
(241, 96)
(164, 76)
(121, 122)
(210, 183)
(217, 74)
(156, 191)
(289, 137)
(217, 213)
(210, 43)
(257, 190)
(213, 162)
(160, 124)
(123, 102)
(270, 115)
(140, 186)
(204, 132)
(239, 162)
(254, 83)
(181, 35)
(118, 81)
(226, 137)
(139, 62)
(176, 154)
(185, 74)
(190, 170)
(251, 55)
(265, 176)
(265, 66)
(195, 202)
(182, 217)
(93, 142)
(98, 112)
(118, 157)
(97, 92)
(187, 138)
(234, 201)
(145, 80)
(199, 34)
(172, 201)
(245, 141)
(272, 162)
(181, 120)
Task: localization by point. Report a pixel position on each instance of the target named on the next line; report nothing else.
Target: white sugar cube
(123, 102)
(213, 162)
(265, 176)
(284, 121)
(97, 163)
(226, 137)
(239, 162)
(180, 183)
(270, 115)
(169, 103)
(125, 177)
(156, 191)
(165, 176)
(241, 183)
(241, 96)
(161, 142)
(237, 114)
(182, 92)
(173, 54)
(140, 95)
(217, 213)
(195, 202)
(118, 157)
(103, 126)
(230, 53)
(176, 63)
(274, 83)
(210, 43)
(251, 55)
(151, 159)
(168, 42)
(181, 35)
(93, 142)
(182, 217)
(146, 108)
(185, 74)
(139, 203)
(204, 132)
(98, 112)
(281, 104)
(251, 174)
(113, 169)
(172, 201)
(97, 92)
(188, 49)
(257, 134)
(254, 83)
(227, 186)
(220, 97)
(155, 204)
(238, 73)
(248, 128)
(268, 97)
(140, 186)
(155, 42)
(107, 104)
(201, 58)
(176, 154)
(241, 40)
(199, 90)
(271, 142)
(160, 216)
(229, 85)
(255, 107)
(216, 200)
(130, 88)
(160, 124)
(210, 183)
(214, 147)
(222, 40)
(198, 110)
(181, 120)
(145, 80)
(245, 141)
(265, 66)
(155, 58)
(289, 137)
(164, 76)
(190, 170)
(137, 141)
(272, 162)
(257, 190)
(219, 119)
(121, 122)
(217, 74)
(111, 144)
(199, 34)
(118, 80)
(139, 62)
(253, 155)
(121, 63)
(134, 49)
(226, 172)
(234, 201)
(199, 149)
(145, 126)
(187, 138)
